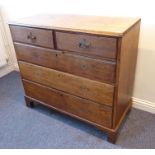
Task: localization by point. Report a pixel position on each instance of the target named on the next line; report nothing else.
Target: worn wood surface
(94, 69)
(34, 36)
(110, 26)
(96, 91)
(126, 63)
(90, 69)
(74, 105)
(97, 45)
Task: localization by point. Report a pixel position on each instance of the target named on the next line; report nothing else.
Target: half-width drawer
(93, 90)
(75, 106)
(94, 69)
(98, 46)
(35, 36)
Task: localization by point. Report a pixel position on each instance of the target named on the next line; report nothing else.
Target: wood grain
(74, 105)
(99, 46)
(96, 91)
(44, 37)
(103, 71)
(89, 73)
(125, 71)
(108, 26)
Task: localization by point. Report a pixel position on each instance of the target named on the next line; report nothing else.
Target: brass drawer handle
(31, 37)
(84, 44)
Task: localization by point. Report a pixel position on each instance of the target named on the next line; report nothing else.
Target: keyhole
(83, 66)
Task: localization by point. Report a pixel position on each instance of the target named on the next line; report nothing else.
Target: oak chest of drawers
(79, 65)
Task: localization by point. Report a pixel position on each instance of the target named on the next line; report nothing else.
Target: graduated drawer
(93, 90)
(94, 69)
(34, 36)
(69, 104)
(85, 44)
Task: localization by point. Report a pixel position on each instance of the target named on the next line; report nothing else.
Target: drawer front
(34, 36)
(76, 106)
(98, 70)
(87, 44)
(96, 91)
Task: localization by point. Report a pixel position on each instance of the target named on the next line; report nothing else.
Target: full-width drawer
(94, 69)
(35, 36)
(93, 90)
(70, 104)
(87, 44)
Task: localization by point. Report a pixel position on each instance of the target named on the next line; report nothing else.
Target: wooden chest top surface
(108, 26)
